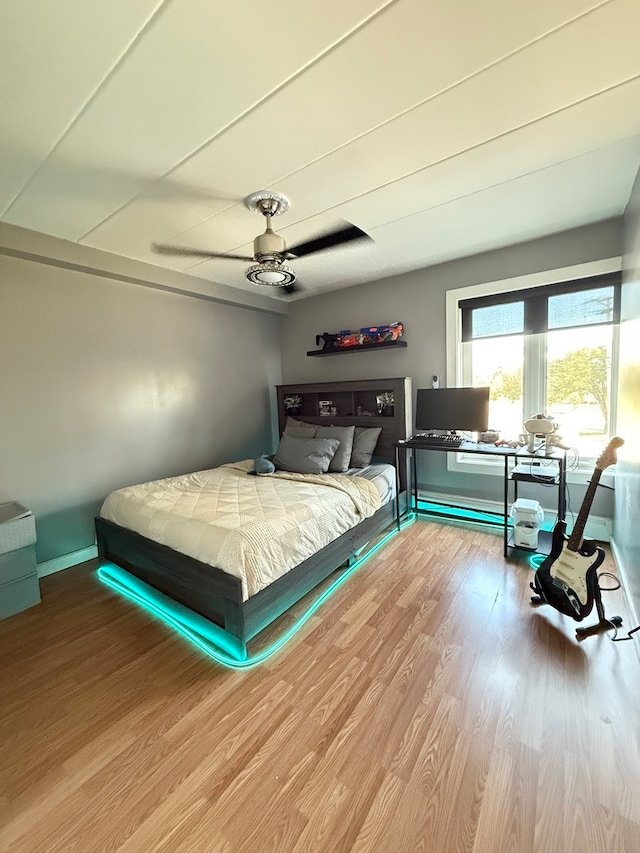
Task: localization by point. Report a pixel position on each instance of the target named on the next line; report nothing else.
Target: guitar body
(568, 578)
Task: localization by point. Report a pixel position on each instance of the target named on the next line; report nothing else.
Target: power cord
(608, 588)
(615, 638)
(574, 463)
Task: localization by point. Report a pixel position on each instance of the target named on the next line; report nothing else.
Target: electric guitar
(568, 579)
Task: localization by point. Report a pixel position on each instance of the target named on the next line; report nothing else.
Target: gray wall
(418, 300)
(627, 503)
(104, 383)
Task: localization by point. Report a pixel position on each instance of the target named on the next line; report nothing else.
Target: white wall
(627, 504)
(104, 383)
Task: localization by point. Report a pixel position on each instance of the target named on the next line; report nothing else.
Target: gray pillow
(342, 459)
(300, 429)
(305, 455)
(364, 443)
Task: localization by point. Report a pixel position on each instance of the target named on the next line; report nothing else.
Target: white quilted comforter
(255, 528)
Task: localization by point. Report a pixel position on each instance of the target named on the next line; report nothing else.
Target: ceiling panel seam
(506, 181)
(488, 142)
(443, 91)
(152, 18)
(462, 151)
(362, 135)
(366, 133)
(260, 102)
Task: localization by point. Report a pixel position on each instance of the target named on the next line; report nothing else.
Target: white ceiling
(441, 128)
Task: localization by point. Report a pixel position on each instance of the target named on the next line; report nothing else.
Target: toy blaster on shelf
(366, 336)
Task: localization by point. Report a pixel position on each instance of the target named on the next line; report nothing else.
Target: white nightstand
(19, 585)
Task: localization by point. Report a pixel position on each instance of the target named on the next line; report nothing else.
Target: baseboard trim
(598, 527)
(631, 608)
(66, 561)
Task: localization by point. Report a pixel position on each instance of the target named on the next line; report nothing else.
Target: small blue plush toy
(263, 465)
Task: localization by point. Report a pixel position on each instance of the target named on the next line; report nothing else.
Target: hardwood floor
(425, 707)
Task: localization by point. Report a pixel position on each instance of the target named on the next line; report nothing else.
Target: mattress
(382, 476)
(254, 528)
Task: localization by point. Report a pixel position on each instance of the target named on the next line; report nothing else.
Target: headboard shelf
(353, 402)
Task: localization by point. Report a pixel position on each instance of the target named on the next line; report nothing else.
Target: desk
(510, 456)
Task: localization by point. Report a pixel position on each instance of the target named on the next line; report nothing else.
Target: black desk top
(488, 449)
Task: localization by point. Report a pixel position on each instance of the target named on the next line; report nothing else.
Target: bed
(163, 532)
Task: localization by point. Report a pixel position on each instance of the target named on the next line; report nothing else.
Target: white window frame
(459, 354)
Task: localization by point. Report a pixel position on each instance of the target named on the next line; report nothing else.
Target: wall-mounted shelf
(342, 350)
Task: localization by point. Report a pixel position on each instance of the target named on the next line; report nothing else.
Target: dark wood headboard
(355, 402)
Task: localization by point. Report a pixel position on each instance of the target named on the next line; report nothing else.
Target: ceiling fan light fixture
(271, 274)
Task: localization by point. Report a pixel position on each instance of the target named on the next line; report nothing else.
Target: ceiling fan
(269, 249)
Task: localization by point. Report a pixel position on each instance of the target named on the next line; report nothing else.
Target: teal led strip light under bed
(209, 638)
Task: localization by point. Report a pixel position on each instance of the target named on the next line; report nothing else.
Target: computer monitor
(451, 409)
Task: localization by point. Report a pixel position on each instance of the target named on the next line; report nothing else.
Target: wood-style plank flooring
(425, 707)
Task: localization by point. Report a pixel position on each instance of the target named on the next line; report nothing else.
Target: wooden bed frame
(216, 595)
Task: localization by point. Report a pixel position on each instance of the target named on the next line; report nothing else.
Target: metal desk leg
(505, 532)
(397, 461)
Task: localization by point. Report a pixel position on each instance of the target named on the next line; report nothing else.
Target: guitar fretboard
(575, 540)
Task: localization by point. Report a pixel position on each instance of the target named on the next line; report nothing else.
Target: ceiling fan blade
(291, 288)
(350, 234)
(162, 249)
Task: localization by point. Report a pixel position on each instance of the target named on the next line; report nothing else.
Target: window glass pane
(498, 363)
(579, 386)
(581, 308)
(495, 320)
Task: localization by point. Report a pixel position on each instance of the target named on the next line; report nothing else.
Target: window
(550, 348)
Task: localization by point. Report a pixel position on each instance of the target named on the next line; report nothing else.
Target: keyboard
(452, 441)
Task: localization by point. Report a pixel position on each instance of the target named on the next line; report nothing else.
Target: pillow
(342, 459)
(305, 455)
(364, 443)
(299, 429)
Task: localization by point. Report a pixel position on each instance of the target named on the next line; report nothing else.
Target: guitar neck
(575, 540)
